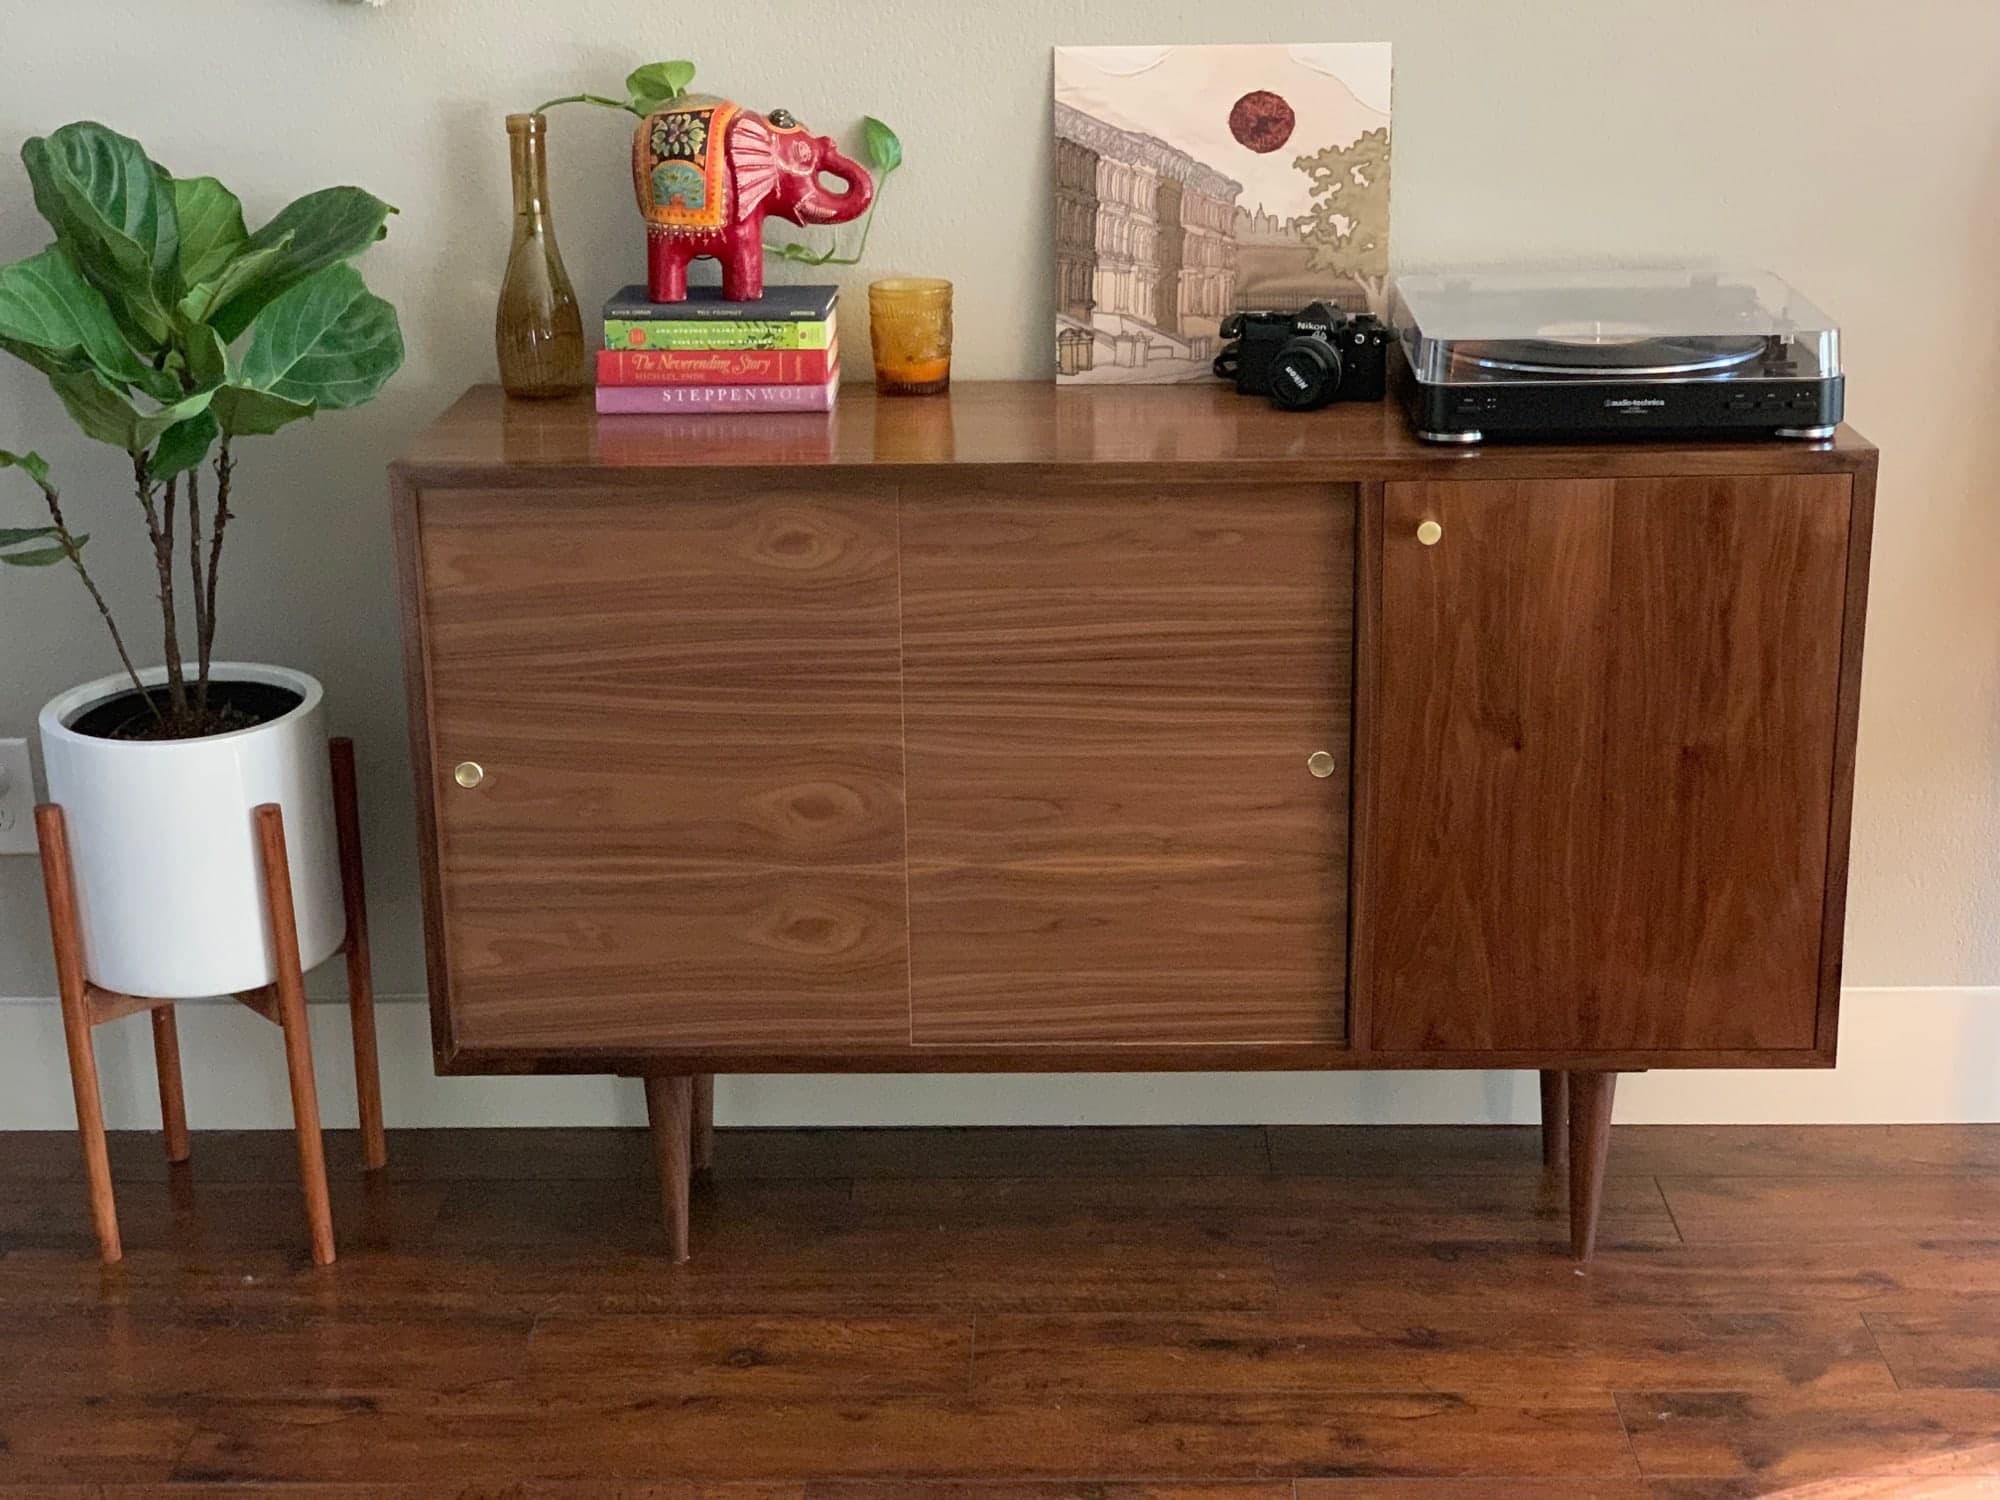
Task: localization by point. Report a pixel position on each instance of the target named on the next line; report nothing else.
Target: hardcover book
(706, 304)
(715, 366)
(628, 333)
(626, 400)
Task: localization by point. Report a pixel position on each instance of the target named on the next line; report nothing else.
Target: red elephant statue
(707, 172)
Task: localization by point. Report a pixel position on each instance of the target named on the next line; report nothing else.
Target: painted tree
(1347, 227)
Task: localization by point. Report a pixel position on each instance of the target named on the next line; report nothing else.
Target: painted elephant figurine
(707, 172)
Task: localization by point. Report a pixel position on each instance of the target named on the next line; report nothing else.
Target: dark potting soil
(231, 706)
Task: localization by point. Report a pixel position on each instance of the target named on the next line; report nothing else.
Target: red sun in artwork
(1262, 120)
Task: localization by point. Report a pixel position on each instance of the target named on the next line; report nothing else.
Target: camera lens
(1305, 372)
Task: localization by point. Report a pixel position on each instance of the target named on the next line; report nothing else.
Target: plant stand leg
(68, 942)
(1590, 1097)
(703, 1150)
(360, 982)
(173, 1101)
(1555, 1118)
(670, 1110)
(291, 993)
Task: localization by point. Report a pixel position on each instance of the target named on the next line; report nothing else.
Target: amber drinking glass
(909, 320)
(538, 330)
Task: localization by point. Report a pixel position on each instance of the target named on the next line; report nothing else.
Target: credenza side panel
(689, 831)
(1112, 693)
(1605, 728)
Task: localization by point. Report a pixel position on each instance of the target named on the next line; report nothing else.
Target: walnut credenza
(1125, 729)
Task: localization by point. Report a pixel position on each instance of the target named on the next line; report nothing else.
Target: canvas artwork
(1193, 182)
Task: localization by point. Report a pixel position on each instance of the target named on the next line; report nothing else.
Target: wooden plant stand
(86, 1006)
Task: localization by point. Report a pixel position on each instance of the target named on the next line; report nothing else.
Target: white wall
(1851, 144)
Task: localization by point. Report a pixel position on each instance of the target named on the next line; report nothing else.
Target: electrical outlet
(17, 799)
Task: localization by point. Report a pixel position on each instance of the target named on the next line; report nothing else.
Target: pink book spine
(624, 400)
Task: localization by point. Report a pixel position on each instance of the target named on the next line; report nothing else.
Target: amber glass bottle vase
(538, 331)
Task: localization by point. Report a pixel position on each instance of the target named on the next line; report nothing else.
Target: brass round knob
(1320, 763)
(1429, 533)
(468, 773)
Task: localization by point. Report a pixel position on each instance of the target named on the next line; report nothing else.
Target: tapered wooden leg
(67, 939)
(1589, 1144)
(291, 989)
(173, 1103)
(703, 1150)
(360, 982)
(1555, 1118)
(670, 1109)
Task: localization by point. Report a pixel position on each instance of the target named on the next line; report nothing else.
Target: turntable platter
(1596, 349)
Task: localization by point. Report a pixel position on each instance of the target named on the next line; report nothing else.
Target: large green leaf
(211, 228)
(244, 412)
(885, 148)
(244, 271)
(112, 208)
(47, 309)
(34, 546)
(319, 230)
(184, 445)
(657, 84)
(109, 414)
(34, 464)
(328, 341)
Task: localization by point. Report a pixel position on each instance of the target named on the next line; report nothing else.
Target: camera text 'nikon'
(1305, 359)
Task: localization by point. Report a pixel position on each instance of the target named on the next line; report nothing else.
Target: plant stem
(585, 99)
(827, 257)
(225, 468)
(73, 550)
(163, 562)
(194, 577)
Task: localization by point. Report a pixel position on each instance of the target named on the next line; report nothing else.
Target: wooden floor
(1216, 1314)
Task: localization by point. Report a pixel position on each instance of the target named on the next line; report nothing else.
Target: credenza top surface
(1016, 428)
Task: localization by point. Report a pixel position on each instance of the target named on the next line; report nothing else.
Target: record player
(1635, 353)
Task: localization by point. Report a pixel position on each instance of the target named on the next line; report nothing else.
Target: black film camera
(1305, 359)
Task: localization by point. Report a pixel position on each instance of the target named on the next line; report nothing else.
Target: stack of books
(777, 353)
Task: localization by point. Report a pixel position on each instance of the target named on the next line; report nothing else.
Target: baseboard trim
(1908, 1055)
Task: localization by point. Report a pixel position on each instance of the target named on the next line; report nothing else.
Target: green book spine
(624, 333)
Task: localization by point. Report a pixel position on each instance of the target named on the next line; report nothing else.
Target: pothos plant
(171, 331)
(658, 84)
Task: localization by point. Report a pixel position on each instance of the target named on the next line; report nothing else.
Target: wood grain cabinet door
(689, 829)
(1604, 721)
(1112, 696)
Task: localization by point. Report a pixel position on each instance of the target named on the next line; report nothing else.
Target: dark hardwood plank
(96, 1438)
(1239, 1354)
(450, 1489)
(778, 1359)
(1278, 1213)
(1838, 1487)
(1111, 700)
(995, 1151)
(890, 1437)
(1738, 1210)
(1050, 1489)
(1941, 1341)
(1788, 1440)
(687, 709)
(1545, 1488)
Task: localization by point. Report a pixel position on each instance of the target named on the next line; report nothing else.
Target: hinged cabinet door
(682, 714)
(1604, 731)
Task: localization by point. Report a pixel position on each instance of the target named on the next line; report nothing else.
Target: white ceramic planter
(169, 885)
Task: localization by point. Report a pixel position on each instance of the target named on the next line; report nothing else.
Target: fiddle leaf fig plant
(171, 331)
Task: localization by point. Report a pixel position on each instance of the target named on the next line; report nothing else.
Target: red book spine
(715, 366)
